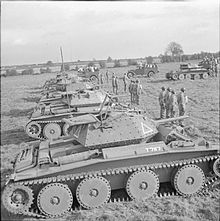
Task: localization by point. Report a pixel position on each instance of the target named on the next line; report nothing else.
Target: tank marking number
(153, 149)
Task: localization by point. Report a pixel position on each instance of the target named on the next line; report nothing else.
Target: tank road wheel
(181, 77)
(196, 76)
(216, 167)
(142, 185)
(54, 199)
(93, 79)
(33, 129)
(150, 74)
(93, 192)
(17, 199)
(205, 75)
(188, 76)
(52, 131)
(189, 180)
(130, 74)
(174, 76)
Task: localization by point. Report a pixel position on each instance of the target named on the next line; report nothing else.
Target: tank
(123, 156)
(46, 120)
(147, 70)
(187, 71)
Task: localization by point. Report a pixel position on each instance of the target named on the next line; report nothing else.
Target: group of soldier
(170, 102)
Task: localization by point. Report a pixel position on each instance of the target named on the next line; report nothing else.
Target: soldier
(182, 101)
(125, 80)
(162, 102)
(100, 78)
(137, 92)
(113, 83)
(131, 89)
(116, 85)
(173, 104)
(167, 100)
(106, 75)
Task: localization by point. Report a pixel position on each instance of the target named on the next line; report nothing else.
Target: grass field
(19, 95)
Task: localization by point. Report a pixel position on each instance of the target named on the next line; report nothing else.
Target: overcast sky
(32, 32)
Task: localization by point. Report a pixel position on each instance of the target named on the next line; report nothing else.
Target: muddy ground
(19, 95)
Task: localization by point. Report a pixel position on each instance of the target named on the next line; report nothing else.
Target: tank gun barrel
(163, 121)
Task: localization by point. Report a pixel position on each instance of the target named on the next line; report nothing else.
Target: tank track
(209, 180)
(43, 124)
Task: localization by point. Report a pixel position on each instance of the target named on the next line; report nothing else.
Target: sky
(33, 31)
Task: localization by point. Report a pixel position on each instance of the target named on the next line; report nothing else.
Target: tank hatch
(121, 129)
(86, 98)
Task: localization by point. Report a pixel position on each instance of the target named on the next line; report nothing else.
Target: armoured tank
(187, 71)
(123, 156)
(147, 70)
(79, 99)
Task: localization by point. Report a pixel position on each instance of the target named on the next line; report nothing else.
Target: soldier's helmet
(137, 81)
(183, 89)
(163, 88)
(169, 89)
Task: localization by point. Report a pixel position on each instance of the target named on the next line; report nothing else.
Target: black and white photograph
(110, 110)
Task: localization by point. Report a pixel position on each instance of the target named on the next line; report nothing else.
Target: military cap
(163, 88)
(173, 92)
(169, 89)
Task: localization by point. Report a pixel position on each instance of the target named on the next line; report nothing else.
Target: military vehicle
(188, 71)
(147, 70)
(92, 75)
(46, 120)
(125, 153)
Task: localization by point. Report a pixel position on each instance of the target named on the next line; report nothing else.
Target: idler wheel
(216, 167)
(54, 199)
(52, 131)
(142, 185)
(33, 129)
(93, 192)
(17, 199)
(189, 180)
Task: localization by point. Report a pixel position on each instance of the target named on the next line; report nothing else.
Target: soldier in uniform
(100, 78)
(125, 81)
(131, 89)
(182, 101)
(162, 102)
(106, 75)
(137, 92)
(167, 100)
(173, 104)
(114, 83)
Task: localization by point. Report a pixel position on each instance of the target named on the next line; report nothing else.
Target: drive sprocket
(33, 129)
(17, 198)
(216, 167)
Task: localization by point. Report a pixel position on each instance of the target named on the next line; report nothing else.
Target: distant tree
(49, 63)
(11, 72)
(149, 59)
(109, 59)
(29, 71)
(102, 64)
(132, 62)
(90, 64)
(175, 50)
(116, 63)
